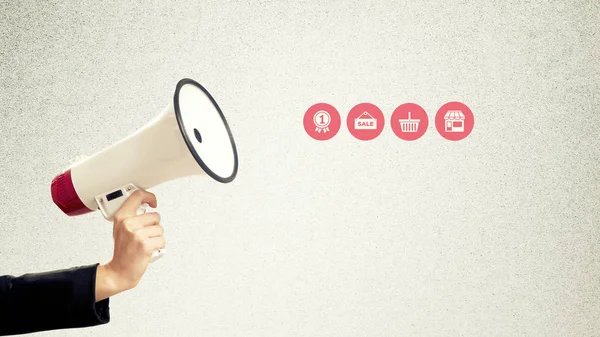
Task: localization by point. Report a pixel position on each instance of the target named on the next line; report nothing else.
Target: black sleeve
(59, 299)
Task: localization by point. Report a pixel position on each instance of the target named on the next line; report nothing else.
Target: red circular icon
(409, 121)
(454, 121)
(322, 121)
(365, 121)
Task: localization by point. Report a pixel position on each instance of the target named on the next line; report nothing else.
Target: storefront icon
(365, 122)
(455, 121)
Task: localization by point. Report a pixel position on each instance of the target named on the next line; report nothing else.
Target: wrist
(108, 282)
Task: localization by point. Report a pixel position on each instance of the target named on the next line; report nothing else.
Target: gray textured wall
(495, 235)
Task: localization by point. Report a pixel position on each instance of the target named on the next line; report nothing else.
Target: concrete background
(494, 235)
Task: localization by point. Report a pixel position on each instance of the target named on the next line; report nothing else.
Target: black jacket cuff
(52, 300)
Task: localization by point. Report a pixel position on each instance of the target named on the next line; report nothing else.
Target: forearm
(51, 300)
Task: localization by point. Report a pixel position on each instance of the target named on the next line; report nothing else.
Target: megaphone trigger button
(142, 208)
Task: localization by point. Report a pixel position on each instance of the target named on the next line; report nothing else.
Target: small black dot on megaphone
(197, 134)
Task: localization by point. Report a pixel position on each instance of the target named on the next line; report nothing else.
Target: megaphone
(189, 137)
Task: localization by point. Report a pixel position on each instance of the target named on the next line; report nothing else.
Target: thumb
(139, 198)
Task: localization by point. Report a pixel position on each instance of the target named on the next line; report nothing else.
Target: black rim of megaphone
(188, 142)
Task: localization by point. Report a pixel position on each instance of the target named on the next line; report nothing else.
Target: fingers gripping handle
(109, 203)
(157, 254)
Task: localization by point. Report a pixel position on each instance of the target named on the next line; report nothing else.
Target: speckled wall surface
(494, 235)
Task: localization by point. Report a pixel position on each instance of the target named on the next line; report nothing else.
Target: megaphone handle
(157, 254)
(109, 203)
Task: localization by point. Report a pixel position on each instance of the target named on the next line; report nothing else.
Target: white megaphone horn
(189, 137)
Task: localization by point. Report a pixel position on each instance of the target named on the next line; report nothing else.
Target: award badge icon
(322, 121)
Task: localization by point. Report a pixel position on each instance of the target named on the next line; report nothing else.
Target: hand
(136, 237)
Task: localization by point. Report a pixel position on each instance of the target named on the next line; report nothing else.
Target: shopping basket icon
(409, 125)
